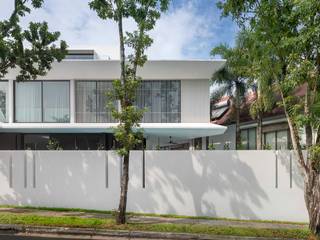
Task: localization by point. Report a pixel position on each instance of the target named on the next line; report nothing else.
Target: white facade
(264, 185)
(194, 102)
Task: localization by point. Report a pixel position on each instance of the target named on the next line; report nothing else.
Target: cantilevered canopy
(177, 130)
(182, 130)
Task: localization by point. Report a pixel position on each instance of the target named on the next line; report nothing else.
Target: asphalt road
(11, 237)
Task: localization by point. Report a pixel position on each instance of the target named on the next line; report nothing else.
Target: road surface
(12, 237)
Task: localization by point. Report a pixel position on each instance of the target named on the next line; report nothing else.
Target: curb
(91, 232)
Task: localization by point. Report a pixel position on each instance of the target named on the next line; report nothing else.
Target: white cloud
(177, 31)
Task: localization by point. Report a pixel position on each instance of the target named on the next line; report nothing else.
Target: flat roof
(110, 70)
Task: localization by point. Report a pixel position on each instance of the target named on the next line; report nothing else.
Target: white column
(72, 101)
(191, 144)
(10, 111)
(204, 143)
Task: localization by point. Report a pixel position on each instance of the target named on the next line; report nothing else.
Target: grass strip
(146, 214)
(109, 224)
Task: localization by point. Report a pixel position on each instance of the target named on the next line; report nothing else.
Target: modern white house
(69, 104)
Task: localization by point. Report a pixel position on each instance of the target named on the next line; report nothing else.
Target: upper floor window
(4, 101)
(42, 101)
(92, 100)
(162, 100)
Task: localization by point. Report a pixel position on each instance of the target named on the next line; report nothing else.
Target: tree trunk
(259, 131)
(237, 111)
(121, 216)
(312, 198)
(238, 135)
(308, 127)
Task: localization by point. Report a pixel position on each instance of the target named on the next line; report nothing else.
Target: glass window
(270, 140)
(56, 102)
(103, 114)
(276, 140)
(4, 101)
(36, 141)
(161, 99)
(282, 140)
(252, 139)
(86, 101)
(249, 139)
(244, 138)
(28, 102)
(42, 101)
(92, 100)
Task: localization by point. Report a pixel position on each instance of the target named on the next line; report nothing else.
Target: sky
(188, 30)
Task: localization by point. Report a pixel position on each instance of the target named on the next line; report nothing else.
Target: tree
(289, 33)
(145, 13)
(261, 84)
(231, 79)
(31, 50)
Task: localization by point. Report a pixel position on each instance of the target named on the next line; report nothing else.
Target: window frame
(141, 89)
(7, 100)
(96, 98)
(276, 138)
(247, 130)
(42, 112)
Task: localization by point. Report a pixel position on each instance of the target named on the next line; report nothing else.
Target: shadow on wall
(72, 179)
(201, 183)
(232, 184)
(289, 160)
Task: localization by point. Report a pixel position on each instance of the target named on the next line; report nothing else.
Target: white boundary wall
(231, 184)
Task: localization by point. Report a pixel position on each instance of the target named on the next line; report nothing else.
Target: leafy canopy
(31, 50)
(145, 13)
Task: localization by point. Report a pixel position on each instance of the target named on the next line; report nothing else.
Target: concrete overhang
(110, 70)
(177, 130)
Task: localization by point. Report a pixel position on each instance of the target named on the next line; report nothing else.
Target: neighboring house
(67, 107)
(275, 128)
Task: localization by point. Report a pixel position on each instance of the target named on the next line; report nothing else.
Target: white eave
(110, 70)
(178, 130)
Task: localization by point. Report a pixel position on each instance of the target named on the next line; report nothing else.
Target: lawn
(109, 224)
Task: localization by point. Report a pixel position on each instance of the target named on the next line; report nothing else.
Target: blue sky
(189, 30)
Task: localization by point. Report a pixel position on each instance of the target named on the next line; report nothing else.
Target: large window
(249, 138)
(276, 140)
(92, 100)
(162, 101)
(42, 101)
(3, 101)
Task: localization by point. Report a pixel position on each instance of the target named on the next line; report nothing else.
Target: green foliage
(267, 146)
(53, 144)
(232, 79)
(315, 157)
(127, 133)
(211, 146)
(226, 146)
(284, 44)
(145, 13)
(41, 50)
(109, 224)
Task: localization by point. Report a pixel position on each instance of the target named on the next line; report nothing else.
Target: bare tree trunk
(259, 131)
(121, 216)
(238, 135)
(308, 127)
(312, 198)
(237, 109)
